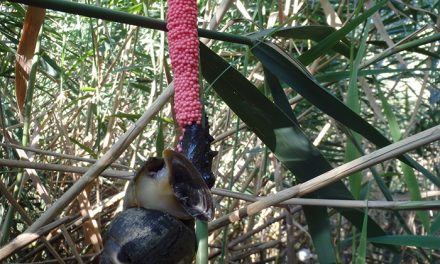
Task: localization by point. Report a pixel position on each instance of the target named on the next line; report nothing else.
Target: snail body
(160, 205)
(173, 185)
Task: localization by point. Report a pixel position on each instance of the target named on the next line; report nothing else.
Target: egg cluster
(183, 46)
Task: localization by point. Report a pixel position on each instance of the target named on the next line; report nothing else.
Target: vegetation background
(292, 89)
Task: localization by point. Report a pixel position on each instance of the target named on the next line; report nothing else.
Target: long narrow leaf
(410, 178)
(295, 75)
(353, 101)
(362, 250)
(432, 242)
(341, 75)
(317, 218)
(313, 32)
(308, 57)
(276, 130)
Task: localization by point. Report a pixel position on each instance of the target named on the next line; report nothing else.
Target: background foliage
(93, 78)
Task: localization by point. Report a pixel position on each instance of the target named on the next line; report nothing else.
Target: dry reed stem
(331, 176)
(27, 238)
(41, 190)
(92, 173)
(59, 155)
(387, 205)
(71, 221)
(256, 249)
(64, 168)
(5, 193)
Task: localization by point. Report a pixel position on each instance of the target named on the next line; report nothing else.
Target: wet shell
(138, 235)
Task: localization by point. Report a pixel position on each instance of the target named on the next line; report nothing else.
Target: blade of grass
(432, 242)
(353, 102)
(405, 46)
(362, 249)
(382, 44)
(410, 178)
(340, 75)
(84, 147)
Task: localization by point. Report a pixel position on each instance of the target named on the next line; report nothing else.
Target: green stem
(202, 242)
(6, 227)
(123, 17)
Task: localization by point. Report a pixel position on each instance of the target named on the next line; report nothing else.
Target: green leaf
(410, 177)
(87, 89)
(435, 226)
(407, 46)
(76, 100)
(432, 242)
(160, 141)
(341, 75)
(353, 101)
(322, 47)
(49, 66)
(316, 217)
(278, 94)
(413, 187)
(283, 137)
(132, 117)
(296, 76)
(141, 87)
(84, 147)
(384, 45)
(313, 32)
(362, 249)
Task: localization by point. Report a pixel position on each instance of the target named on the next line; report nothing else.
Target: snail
(171, 184)
(160, 205)
(138, 235)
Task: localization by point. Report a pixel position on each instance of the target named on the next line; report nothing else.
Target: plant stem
(123, 17)
(202, 242)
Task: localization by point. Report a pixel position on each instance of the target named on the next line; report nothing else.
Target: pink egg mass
(183, 46)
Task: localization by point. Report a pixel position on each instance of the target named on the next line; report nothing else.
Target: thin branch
(5, 193)
(387, 205)
(59, 155)
(92, 173)
(64, 168)
(123, 17)
(331, 176)
(27, 238)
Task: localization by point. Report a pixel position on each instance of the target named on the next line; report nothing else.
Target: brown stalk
(26, 47)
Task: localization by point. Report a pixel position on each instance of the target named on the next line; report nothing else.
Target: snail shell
(138, 235)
